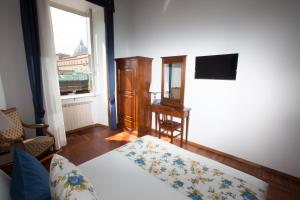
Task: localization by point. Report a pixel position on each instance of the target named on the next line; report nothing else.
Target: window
(73, 51)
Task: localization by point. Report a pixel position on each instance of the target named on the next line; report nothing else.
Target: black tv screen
(216, 67)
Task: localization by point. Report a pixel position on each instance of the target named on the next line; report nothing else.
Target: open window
(72, 37)
(80, 45)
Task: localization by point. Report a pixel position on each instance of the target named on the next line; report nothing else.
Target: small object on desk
(154, 90)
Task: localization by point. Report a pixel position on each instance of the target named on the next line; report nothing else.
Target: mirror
(173, 79)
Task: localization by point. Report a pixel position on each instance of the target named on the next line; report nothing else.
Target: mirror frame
(173, 60)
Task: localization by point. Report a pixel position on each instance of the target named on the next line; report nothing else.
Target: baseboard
(86, 127)
(247, 162)
(252, 164)
(102, 126)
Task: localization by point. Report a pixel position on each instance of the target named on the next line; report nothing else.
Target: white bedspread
(115, 177)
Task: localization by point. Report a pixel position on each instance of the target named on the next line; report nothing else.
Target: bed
(149, 168)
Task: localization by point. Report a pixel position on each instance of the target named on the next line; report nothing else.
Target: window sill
(77, 96)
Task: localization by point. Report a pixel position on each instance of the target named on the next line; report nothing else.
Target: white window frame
(88, 14)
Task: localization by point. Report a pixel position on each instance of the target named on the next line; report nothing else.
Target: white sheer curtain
(52, 101)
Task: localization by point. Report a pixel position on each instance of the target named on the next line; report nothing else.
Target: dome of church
(80, 49)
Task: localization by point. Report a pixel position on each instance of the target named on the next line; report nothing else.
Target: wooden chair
(167, 124)
(35, 146)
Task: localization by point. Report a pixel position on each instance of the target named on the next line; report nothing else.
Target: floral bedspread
(196, 180)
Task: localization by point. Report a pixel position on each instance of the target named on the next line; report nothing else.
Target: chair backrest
(167, 122)
(165, 117)
(16, 133)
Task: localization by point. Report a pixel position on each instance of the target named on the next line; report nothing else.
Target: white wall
(122, 28)
(13, 67)
(256, 117)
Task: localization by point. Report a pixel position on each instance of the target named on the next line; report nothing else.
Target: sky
(68, 29)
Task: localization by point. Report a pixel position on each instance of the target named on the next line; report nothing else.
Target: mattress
(117, 174)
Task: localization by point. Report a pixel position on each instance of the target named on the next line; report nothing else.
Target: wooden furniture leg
(182, 129)
(187, 127)
(156, 122)
(159, 134)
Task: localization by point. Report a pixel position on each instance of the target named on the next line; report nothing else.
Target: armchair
(35, 146)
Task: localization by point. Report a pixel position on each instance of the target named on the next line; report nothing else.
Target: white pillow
(4, 186)
(68, 182)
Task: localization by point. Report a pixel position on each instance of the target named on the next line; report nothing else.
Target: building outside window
(73, 51)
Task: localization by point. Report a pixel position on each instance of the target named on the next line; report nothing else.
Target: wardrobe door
(126, 90)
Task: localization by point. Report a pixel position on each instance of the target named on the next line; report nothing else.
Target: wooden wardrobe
(133, 97)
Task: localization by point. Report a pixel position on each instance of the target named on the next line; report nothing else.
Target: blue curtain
(109, 31)
(111, 65)
(32, 48)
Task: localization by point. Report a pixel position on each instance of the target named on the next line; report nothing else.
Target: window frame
(87, 14)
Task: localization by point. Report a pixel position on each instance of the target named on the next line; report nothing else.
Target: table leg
(182, 129)
(156, 122)
(187, 127)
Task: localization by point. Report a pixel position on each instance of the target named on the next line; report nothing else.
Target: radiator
(77, 115)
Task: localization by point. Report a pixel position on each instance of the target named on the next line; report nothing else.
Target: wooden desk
(182, 113)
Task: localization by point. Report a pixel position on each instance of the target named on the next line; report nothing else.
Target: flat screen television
(216, 67)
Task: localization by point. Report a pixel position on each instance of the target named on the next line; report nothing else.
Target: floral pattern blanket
(194, 179)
